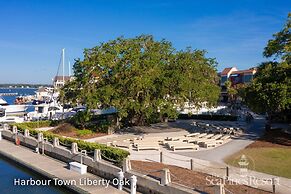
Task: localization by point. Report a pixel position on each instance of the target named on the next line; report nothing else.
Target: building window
(248, 78)
(223, 79)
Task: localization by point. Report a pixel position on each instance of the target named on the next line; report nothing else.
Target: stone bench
(124, 144)
(209, 144)
(147, 146)
(192, 134)
(181, 145)
(78, 167)
(225, 137)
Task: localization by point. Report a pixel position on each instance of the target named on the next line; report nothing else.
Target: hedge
(208, 117)
(115, 155)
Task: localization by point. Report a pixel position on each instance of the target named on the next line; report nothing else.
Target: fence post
(1, 134)
(83, 152)
(56, 142)
(26, 133)
(120, 178)
(227, 173)
(161, 157)
(6, 126)
(43, 144)
(274, 185)
(133, 181)
(192, 163)
(40, 137)
(97, 155)
(166, 176)
(219, 189)
(14, 130)
(74, 148)
(126, 165)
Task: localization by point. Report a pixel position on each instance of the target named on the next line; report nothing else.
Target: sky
(33, 32)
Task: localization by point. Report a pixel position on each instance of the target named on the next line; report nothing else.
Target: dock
(53, 169)
(9, 94)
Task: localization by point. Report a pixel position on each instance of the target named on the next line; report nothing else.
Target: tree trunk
(268, 123)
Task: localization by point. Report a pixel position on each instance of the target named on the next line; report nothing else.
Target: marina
(145, 97)
(8, 94)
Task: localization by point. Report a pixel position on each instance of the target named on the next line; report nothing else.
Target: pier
(54, 170)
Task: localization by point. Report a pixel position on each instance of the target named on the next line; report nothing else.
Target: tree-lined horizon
(270, 90)
(144, 79)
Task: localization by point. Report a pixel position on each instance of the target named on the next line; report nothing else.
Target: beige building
(59, 81)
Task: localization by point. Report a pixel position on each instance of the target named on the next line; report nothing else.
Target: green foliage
(84, 132)
(85, 120)
(280, 46)
(270, 90)
(81, 119)
(113, 154)
(37, 124)
(143, 79)
(231, 90)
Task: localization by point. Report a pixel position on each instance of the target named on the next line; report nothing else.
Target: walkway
(210, 161)
(252, 178)
(52, 168)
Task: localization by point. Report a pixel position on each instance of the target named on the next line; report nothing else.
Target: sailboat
(47, 105)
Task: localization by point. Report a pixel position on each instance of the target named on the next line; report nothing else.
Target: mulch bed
(189, 178)
(68, 130)
(273, 138)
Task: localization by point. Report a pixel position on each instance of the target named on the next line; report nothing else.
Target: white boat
(45, 111)
(12, 109)
(9, 119)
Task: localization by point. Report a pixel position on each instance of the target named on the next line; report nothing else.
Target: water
(9, 171)
(20, 91)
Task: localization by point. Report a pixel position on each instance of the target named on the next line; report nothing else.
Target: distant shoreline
(22, 86)
(19, 87)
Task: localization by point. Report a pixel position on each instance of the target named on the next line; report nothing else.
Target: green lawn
(270, 160)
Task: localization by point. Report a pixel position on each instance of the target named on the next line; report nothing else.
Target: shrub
(84, 132)
(115, 155)
(81, 118)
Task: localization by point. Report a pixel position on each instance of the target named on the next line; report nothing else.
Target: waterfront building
(236, 77)
(59, 81)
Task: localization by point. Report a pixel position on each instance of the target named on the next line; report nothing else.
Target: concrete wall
(101, 168)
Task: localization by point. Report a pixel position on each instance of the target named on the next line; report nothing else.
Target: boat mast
(69, 69)
(63, 63)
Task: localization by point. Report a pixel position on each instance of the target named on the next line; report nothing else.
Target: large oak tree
(144, 79)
